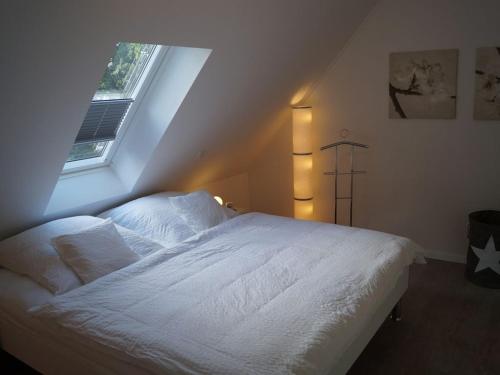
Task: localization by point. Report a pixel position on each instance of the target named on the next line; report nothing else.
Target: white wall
(54, 52)
(271, 174)
(424, 176)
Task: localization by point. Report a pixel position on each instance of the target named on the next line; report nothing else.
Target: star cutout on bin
(488, 257)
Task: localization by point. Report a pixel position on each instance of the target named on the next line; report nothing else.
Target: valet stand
(336, 173)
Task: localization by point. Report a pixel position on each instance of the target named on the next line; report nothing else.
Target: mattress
(52, 357)
(257, 294)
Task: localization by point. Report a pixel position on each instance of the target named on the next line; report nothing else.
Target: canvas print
(423, 84)
(487, 98)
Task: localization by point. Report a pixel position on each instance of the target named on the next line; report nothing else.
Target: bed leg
(396, 312)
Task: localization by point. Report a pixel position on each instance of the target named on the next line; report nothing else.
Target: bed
(255, 294)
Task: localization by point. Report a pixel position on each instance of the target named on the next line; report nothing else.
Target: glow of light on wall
(302, 162)
(299, 95)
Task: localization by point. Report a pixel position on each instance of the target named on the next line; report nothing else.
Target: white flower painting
(487, 98)
(423, 84)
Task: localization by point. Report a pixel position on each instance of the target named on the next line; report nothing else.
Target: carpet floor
(449, 326)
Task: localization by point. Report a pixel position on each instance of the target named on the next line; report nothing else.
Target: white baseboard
(448, 257)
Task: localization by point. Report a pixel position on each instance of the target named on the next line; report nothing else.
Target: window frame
(142, 86)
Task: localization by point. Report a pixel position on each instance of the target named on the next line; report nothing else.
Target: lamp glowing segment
(302, 162)
(219, 200)
(303, 209)
(302, 118)
(302, 176)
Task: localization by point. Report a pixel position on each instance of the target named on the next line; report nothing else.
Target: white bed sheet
(258, 294)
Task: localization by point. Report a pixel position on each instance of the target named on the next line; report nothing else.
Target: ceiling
(54, 53)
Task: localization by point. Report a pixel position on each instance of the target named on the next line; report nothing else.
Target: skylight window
(117, 91)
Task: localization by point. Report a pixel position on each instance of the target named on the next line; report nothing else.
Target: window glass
(87, 150)
(124, 71)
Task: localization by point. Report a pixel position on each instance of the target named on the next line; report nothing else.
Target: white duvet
(258, 294)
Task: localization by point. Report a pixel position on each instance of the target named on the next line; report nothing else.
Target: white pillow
(152, 217)
(31, 253)
(199, 210)
(95, 251)
(20, 293)
(140, 245)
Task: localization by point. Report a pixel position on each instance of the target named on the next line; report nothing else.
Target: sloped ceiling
(53, 53)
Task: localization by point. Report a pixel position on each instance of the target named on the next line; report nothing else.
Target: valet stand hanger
(353, 146)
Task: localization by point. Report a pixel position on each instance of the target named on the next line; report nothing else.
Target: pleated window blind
(103, 120)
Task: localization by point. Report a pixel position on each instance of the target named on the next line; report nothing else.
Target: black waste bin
(483, 257)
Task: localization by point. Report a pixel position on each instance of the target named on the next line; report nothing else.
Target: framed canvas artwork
(487, 90)
(423, 84)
